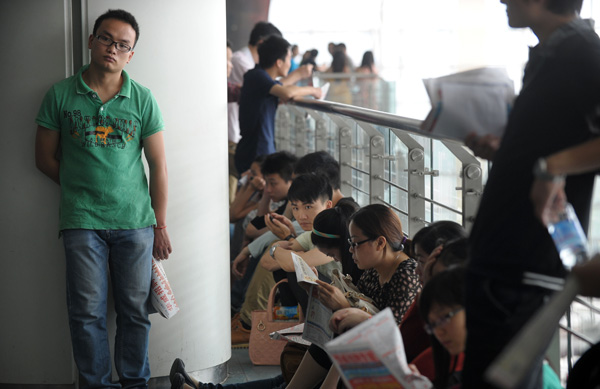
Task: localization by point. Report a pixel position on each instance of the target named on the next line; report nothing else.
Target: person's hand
(331, 297)
(429, 263)
(484, 146)
(258, 183)
(347, 318)
(318, 93)
(588, 275)
(162, 244)
(549, 199)
(279, 225)
(305, 71)
(414, 369)
(240, 264)
(246, 173)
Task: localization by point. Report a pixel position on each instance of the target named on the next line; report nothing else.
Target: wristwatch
(272, 252)
(540, 171)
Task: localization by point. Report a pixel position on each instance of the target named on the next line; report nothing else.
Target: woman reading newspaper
(378, 247)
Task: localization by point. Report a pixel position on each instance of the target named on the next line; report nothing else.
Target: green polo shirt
(102, 178)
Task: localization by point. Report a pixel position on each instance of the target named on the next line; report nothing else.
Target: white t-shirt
(242, 62)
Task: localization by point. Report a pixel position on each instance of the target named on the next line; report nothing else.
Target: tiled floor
(242, 370)
(239, 369)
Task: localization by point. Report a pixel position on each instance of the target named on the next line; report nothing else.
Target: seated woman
(425, 247)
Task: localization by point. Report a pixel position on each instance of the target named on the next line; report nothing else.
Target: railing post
(345, 152)
(300, 128)
(416, 182)
(320, 134)
(376, 168)
(472, 184)
(283, 128)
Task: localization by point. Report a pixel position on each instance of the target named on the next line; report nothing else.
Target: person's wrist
(272, 252)
(289, 237)
(541, 172)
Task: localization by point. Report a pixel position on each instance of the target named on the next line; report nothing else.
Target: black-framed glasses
(429, 327)
(106, 41)
(354, 245)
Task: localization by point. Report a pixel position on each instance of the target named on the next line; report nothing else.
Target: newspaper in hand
(477, 100)
(316, 328)
(372, 355)
(303, 272)
(292, 334)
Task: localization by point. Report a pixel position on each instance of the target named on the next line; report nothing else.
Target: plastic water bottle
(569, 238)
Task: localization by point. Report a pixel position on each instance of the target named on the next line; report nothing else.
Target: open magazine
(477, 100)
(371, 355)
(303, 272)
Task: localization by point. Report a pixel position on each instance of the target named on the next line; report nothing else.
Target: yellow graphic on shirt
(102, 133)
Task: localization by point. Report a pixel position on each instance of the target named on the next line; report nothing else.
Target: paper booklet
(292, 334)
(477, 100)
(303, 272)
(515, 361)
(371, 355)
(316, 329)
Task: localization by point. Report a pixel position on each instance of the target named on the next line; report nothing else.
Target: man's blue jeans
(90, 255)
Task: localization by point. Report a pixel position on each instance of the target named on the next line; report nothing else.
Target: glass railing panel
(360, 164)
(361, 90)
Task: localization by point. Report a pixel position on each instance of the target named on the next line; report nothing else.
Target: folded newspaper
(316, 329)
(292, 334)
(371, 355)
(477, 100)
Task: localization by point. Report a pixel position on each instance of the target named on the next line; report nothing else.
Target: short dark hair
(228, 44)
(121, 15)
(261, 31)
(272, 49)
(281, 163)
(435, 234)
(309, 188)
(320, 162)
(564, 7)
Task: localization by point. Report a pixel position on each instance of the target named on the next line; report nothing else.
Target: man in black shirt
(557, 108)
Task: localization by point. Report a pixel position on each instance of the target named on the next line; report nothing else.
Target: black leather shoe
(178, 367)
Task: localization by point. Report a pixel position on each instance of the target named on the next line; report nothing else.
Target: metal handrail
(371, 116)
(587, 305)
(344, 76)
(576, 334)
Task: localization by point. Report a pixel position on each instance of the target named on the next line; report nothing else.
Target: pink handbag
(262, 349)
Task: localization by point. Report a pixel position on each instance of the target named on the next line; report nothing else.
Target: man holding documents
(558, 107)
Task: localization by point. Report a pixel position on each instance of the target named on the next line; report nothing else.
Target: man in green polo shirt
(110, 219)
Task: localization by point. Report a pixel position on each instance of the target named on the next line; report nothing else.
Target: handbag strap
(271, 302)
